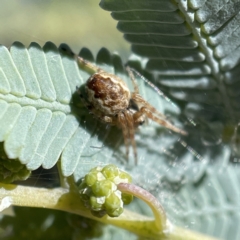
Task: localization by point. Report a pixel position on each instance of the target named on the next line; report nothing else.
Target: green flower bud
(110, 171)
(103, 188)
(97, 203)
(98, 191)
(93, 176)
(115, 213)
(113, 203)
(127, 198)
(126, 176)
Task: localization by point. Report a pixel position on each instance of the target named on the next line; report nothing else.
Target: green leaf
(43, 119)
(198, 69)
(37, 122)
(192, 47)
(213, 200)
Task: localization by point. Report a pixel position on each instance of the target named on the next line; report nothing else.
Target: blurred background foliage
(79, 23)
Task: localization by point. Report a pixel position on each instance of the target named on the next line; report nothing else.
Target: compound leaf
(193, 48)
(42, 118)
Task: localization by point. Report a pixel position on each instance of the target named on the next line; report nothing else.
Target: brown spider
(108, 98)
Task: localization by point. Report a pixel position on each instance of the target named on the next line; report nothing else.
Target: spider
(109, 99)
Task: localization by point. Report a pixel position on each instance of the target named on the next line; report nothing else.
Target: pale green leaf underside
(211, 207)
(35, 94)
(42, 119)
(193, 48)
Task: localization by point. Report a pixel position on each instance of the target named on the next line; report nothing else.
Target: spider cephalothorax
(108, 94)
(108, 98)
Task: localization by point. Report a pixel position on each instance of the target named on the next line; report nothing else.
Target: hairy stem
(154, 204)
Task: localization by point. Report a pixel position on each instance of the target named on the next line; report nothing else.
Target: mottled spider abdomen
(107, 93)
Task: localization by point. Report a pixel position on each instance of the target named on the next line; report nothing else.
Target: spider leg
(125, 120)
(149, 111)
(123, 124)
(134, 82)
(81, 60)
(140, 101)
(139, 118)
(131, 127)
(163, 122)
(88, 64)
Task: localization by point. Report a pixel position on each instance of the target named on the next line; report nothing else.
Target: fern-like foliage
(192, 48)
(210, 206)
(42, 118)
(36, 123)
(191, 51)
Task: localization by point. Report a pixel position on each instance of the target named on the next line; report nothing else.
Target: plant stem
(161, 222)
(62, 199)
(153, 203)
(65, 182)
